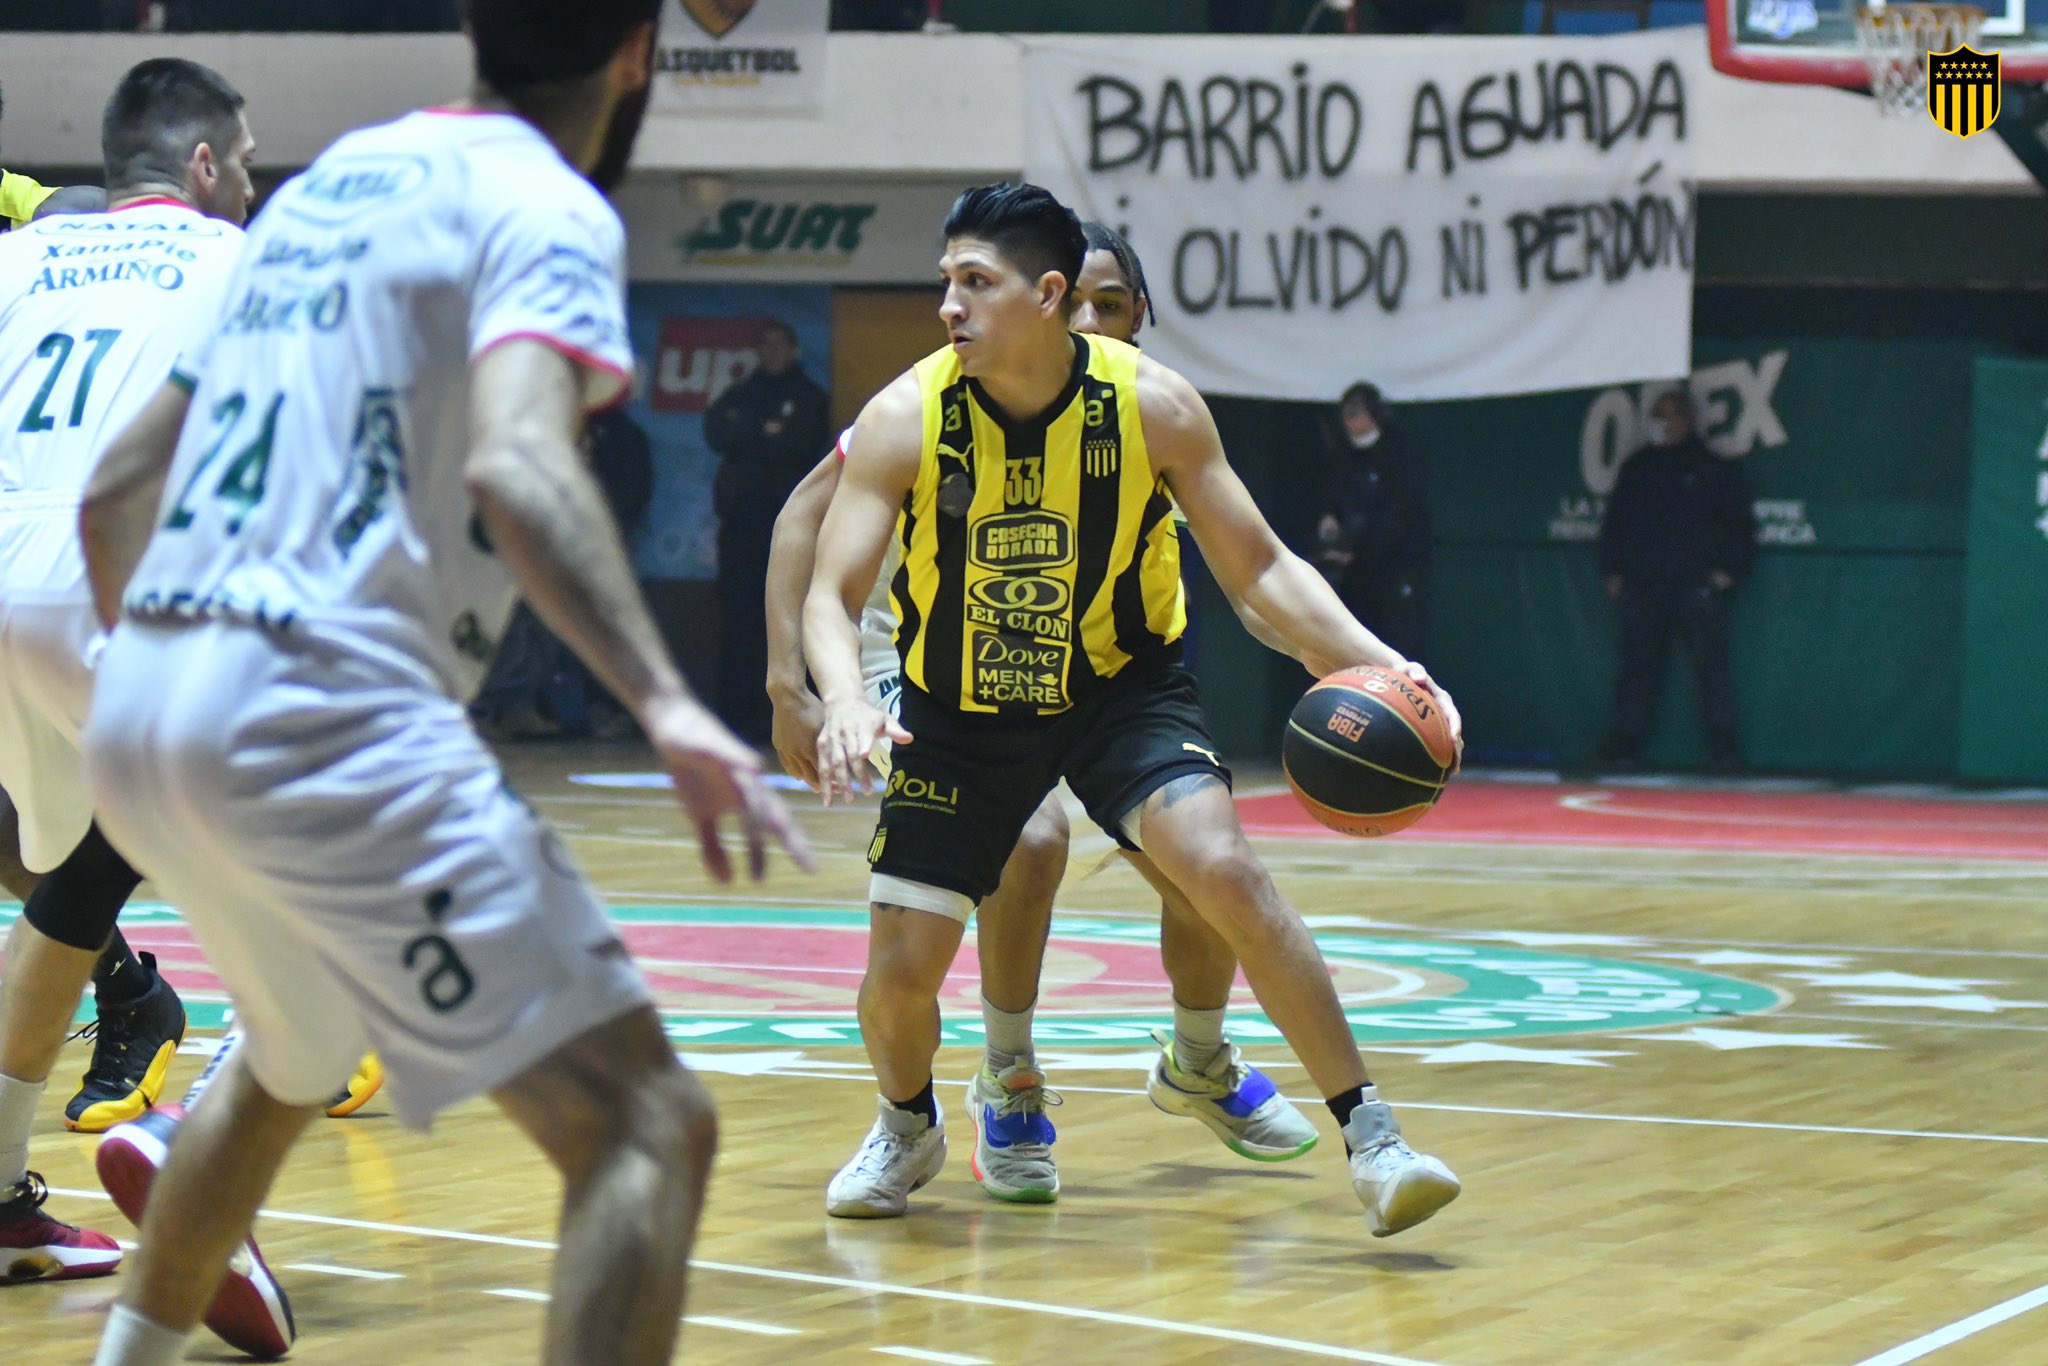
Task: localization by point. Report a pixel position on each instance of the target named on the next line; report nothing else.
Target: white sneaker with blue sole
(1012, 1137)
(1235, 1100)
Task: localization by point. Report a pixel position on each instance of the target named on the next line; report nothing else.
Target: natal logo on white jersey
(94, 309)
(372, 282)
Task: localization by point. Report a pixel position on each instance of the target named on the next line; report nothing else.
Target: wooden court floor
(1710, 1107)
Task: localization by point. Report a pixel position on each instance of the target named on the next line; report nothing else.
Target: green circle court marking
(788, 976)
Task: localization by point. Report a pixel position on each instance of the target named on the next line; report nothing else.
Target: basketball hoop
(1896, 39)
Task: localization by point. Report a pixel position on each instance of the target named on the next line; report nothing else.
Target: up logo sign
(1737, 413)
(699, 358)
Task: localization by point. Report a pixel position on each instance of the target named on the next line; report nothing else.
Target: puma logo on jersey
(1208, 754)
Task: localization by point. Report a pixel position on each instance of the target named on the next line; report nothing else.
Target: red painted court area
(1680, 818)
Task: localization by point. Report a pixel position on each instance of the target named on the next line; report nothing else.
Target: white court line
(1292, 835)
(771, 1330)
(641, 900)
(1600, 804)
(648, 841)
(1647, 941)
(1403, 984)
(1063, 1311)
(1957, 1331)
(325, 1270)
(943, 1358)
(1924, 1022)
(1677, 1120)
(1437, 932)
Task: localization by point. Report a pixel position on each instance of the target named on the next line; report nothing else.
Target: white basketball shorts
(351, 862)
(48, 637)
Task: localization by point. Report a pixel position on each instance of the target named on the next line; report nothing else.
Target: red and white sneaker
(35, 1247)
(249, 1312)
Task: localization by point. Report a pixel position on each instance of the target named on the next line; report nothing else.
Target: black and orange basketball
(1367, 751)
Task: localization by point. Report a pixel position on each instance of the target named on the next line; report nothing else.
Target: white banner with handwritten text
(1449, 218)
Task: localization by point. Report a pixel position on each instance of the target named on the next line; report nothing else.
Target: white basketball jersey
(94, 309)
(318, 487)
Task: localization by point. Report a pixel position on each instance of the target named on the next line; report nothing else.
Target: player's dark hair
(1102, 237)
(522, 43)
(777, 325)
(159, 115)
(1034, 231)
(1369, 395)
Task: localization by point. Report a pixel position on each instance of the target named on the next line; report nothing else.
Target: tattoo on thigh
(1180, 789)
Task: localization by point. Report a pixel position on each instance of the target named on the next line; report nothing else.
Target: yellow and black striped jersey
(19, 197)
(1039, 557)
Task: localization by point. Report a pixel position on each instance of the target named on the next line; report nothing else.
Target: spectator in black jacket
(1678, 537)
(768, 430)
(1374, 535)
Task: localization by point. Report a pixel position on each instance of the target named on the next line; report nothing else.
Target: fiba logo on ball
(1359, 761)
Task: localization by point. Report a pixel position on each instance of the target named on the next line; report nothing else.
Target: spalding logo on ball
(1368, 751)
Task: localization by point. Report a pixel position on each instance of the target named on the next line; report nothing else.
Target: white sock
(1009, 1035)
(1197, 1037)
(132, 1340)
(18, 1101)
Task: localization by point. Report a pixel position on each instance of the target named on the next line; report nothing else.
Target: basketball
(1367, 751)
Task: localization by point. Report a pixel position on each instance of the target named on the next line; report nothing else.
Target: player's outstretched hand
(794, 733)
(1443, 699)
(716, 776)
(848, 736)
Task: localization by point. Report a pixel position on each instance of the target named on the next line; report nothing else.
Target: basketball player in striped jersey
(1028, 474)
(1200, 1073)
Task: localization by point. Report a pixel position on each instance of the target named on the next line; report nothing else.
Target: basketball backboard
(1813, 42)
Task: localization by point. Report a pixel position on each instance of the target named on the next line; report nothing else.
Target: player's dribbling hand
(1443, 699)
(846, 739)
(794, 733)
(715, 776)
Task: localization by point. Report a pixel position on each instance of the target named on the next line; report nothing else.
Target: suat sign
(699, 357)
(748, 231)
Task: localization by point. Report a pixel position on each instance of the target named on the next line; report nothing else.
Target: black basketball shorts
(962, 791)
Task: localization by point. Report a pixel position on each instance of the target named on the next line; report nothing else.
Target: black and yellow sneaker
(364, 1082)
(133, 1044)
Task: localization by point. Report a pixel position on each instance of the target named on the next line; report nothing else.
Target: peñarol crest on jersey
(1963, 90)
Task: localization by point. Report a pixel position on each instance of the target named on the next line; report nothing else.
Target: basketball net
(1896, 39)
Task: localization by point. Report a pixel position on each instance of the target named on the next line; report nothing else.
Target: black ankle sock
(1344, 1102)
(923, 1103)
(120, 977)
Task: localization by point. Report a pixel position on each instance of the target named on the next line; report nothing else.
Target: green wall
(2004, 720)
(1850, 634)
